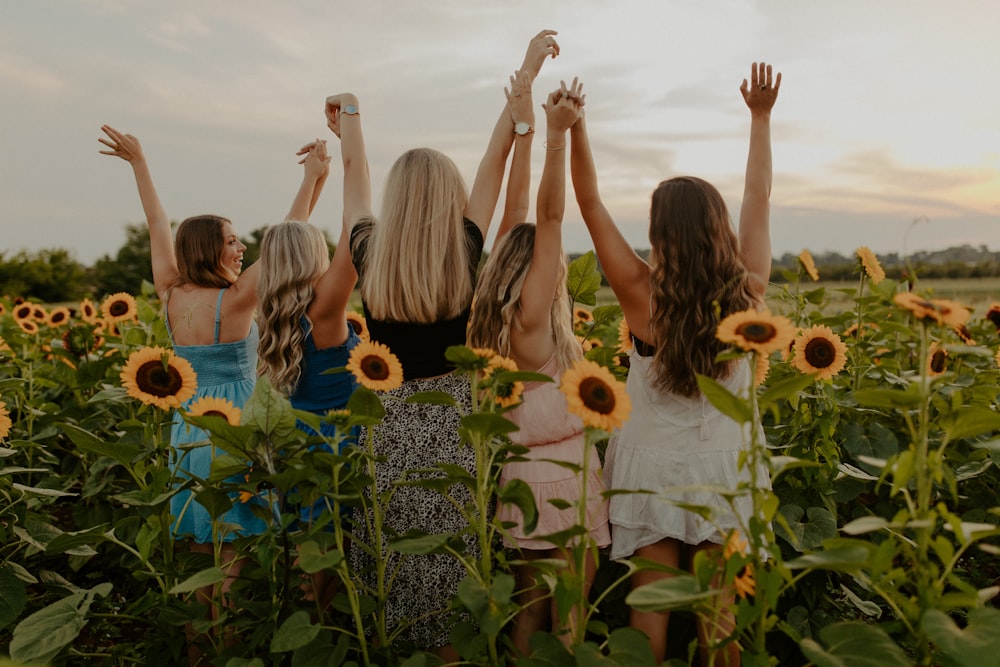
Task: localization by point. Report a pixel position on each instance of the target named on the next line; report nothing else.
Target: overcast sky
(886, 131)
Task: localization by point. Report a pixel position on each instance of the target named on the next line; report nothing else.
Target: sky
(886, 132)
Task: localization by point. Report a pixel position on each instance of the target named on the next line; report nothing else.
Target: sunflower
(993, 315)
(38, 313)
(28, 325)
(5, 422)
(744, 581)
(58, 316)
(505, 393)
(4, 347)
(357, 322)
(951, 313)
(937, 360)
(581, 316)
(219, 407)
(23, 311)
(584, 343)
(943, 311)
(870, 262)
(736, 546)
(119, 307)
(763, 368)
(818, 350)
(852, 330)
(756, 330)
(158, 377)
(339, 418)
(593, 394)
(808, 264)
(246, 496)
(80, 340)
(920, 307)
(966, 335)
(624, 336)
(89, 312)
(375, 367)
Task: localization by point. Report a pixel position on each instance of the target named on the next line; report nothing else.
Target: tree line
(53, 276)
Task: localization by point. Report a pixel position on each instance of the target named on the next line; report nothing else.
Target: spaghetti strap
(218, 315)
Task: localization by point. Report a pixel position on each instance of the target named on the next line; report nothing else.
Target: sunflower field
(878, 541)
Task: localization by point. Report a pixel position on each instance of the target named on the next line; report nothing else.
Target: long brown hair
(198, 248)
(698, 277)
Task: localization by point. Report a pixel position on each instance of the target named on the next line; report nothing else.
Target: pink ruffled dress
(552, 433)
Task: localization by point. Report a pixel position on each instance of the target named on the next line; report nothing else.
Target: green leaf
(86, 441)
(889, 398)
(854, 644)
(427, 544)
(312, 559)
(677, 592)
(969, 422)
(365, 407)
(725, 401)
(583, 279)
(488, 424)
(207, 577)
(215, 501)
(295, 632)
(12, 596)
(517, 492)
(41, 636)
(432, 398)
(839, 555)
(865, 524)
(270, 413)
(782, 389)
(977, 645)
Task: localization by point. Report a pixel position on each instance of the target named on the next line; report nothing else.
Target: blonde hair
(293, 255)
(697, 278)
(417, 262)
(498, 298)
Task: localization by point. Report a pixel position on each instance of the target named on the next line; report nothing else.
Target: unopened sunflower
(80, 340)
(218, 407)
(624, 336)
(89, 312)
(375, 367)
(5, 422)
(808, 264)
(595, 395)
(119, 307)
(158, 377)
(937, 360)
(819, 350)
(356, 321)
(58, 316)
(871, 264)
(756, 330)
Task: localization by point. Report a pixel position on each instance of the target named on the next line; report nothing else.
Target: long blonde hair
(417, 263)
(698, 278)
(498, 298)
(293, 255)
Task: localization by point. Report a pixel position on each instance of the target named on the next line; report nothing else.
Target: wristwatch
(349, 109)
(522, 128)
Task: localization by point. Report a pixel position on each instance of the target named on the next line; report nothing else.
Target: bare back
(191, 316)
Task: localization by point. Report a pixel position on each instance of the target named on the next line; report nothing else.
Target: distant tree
(129, 267)
(51, 276)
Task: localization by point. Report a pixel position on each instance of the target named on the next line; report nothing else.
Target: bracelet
(550, 148)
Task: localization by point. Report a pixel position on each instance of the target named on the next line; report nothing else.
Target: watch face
(522, 128)
(349, 109)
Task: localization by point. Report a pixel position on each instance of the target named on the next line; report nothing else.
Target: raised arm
(317, 167)
(161, 242)
(343, 117)
(489, 177)
(627, 273)
(754, 228)
(522, 113)
(533, 335)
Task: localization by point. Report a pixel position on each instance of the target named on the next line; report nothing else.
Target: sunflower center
(994, 317)
(216, 413)
(757, 332)
(355, 325)
(938, 361)
(158, 381)
(820, 353)
(374, 367)
(118, 308)
(597, 395)
(58, 317)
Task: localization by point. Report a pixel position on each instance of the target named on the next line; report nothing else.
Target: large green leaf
(969, 422)
(207, 577)
(12, 596)
(724, 400)
(854, 644)
(977, 645)
(295, 632)
(583, 279)
(119, 450)
(41, 636)
(678, 592)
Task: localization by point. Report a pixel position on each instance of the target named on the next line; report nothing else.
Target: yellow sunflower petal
(119, 307)
(375, 367)
(871, 264)
(220, 407)
(158, 377)
(595, 395)
(808, 264)
(5, 421)
(756, 330)
(819, 350)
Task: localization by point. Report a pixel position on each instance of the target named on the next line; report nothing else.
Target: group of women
(415, 265)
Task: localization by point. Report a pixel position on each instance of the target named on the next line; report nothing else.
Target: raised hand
(332, 109)
(125, 146)
(316, 159)
(522, 109)
(540, 47)
(564, 106)
(760, 94)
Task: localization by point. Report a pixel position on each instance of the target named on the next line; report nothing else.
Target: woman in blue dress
(209, 303)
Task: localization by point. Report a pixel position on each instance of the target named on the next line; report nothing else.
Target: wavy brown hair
(498, 298)
(697, 278)
(198, 248)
